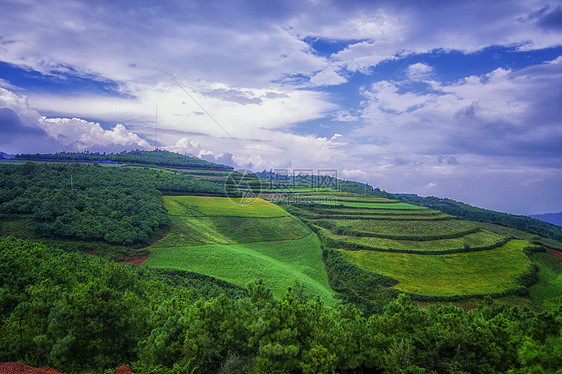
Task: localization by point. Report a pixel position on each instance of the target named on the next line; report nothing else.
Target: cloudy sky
(458, 99)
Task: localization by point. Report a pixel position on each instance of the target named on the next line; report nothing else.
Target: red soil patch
(137, 258)
(554, 252)
(125, 369)
(134, 258)
(19, 368)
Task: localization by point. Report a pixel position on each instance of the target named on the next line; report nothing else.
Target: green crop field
(550, 277)
(240, 243)
(373, 205)
(201, 206)
(188, 231)
(347, 198)
(448, 227)
(288, 189)
(279, 264)
(376, 212)
(474, 273)
(479, 239)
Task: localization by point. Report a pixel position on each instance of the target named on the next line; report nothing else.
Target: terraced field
(474, 273)
(204, 206)
(428, 252)
(240, 241)
(480, 240)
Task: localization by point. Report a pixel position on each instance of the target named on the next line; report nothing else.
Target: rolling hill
(244, 277)
(240, 241)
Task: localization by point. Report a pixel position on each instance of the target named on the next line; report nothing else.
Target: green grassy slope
(447, 257)
(204, 206)
(550, 278)
(240, 243)
(474, 273)
(278, 263)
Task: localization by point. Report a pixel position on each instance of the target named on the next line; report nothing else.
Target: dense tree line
(78, 313)
(456, 208)
(91, 202)
(156, 157)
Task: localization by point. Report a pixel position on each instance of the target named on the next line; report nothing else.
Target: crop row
(503, 270)
(376, 215)
(346, 231)
(435, 247)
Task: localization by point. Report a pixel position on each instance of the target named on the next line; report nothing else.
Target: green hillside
(241, 241)
(429, 254)
(476, 273)
(343, 275)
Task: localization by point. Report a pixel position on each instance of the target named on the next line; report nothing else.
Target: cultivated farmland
(240, 241)
(429, 254)
(476, 273)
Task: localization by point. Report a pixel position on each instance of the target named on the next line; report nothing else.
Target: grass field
(188, 231)
(377, 212)
(550, 277)
(374, 205)
(203, 206)
(241, 243)
(279, 263)
(448, 227)
(473, 273)
(348, 198)
(476, 240)
(267, 189)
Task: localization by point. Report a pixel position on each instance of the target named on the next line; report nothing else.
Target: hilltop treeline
(91, 202)
(456, 208)
(79, 313)
(156, 157)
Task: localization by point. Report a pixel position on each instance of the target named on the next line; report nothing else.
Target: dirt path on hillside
(137, 258)
(554, 252)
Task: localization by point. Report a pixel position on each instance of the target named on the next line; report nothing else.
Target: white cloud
(184, 146)
(503, 112)
(359, 57)
(485, 140)
(58, 133)
(236, 113)
(237, 63)
(327, 77)
(248, 45)
(78, 134)
(419, 72)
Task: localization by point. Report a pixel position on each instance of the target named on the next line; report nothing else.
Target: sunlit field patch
(474, 273)
(221, 206)
(240, 241)
(279, 264)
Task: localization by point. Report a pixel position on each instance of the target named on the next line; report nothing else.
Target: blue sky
(443, 98)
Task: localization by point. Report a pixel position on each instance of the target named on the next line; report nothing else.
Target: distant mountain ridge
(156, 157)
(554, 218)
